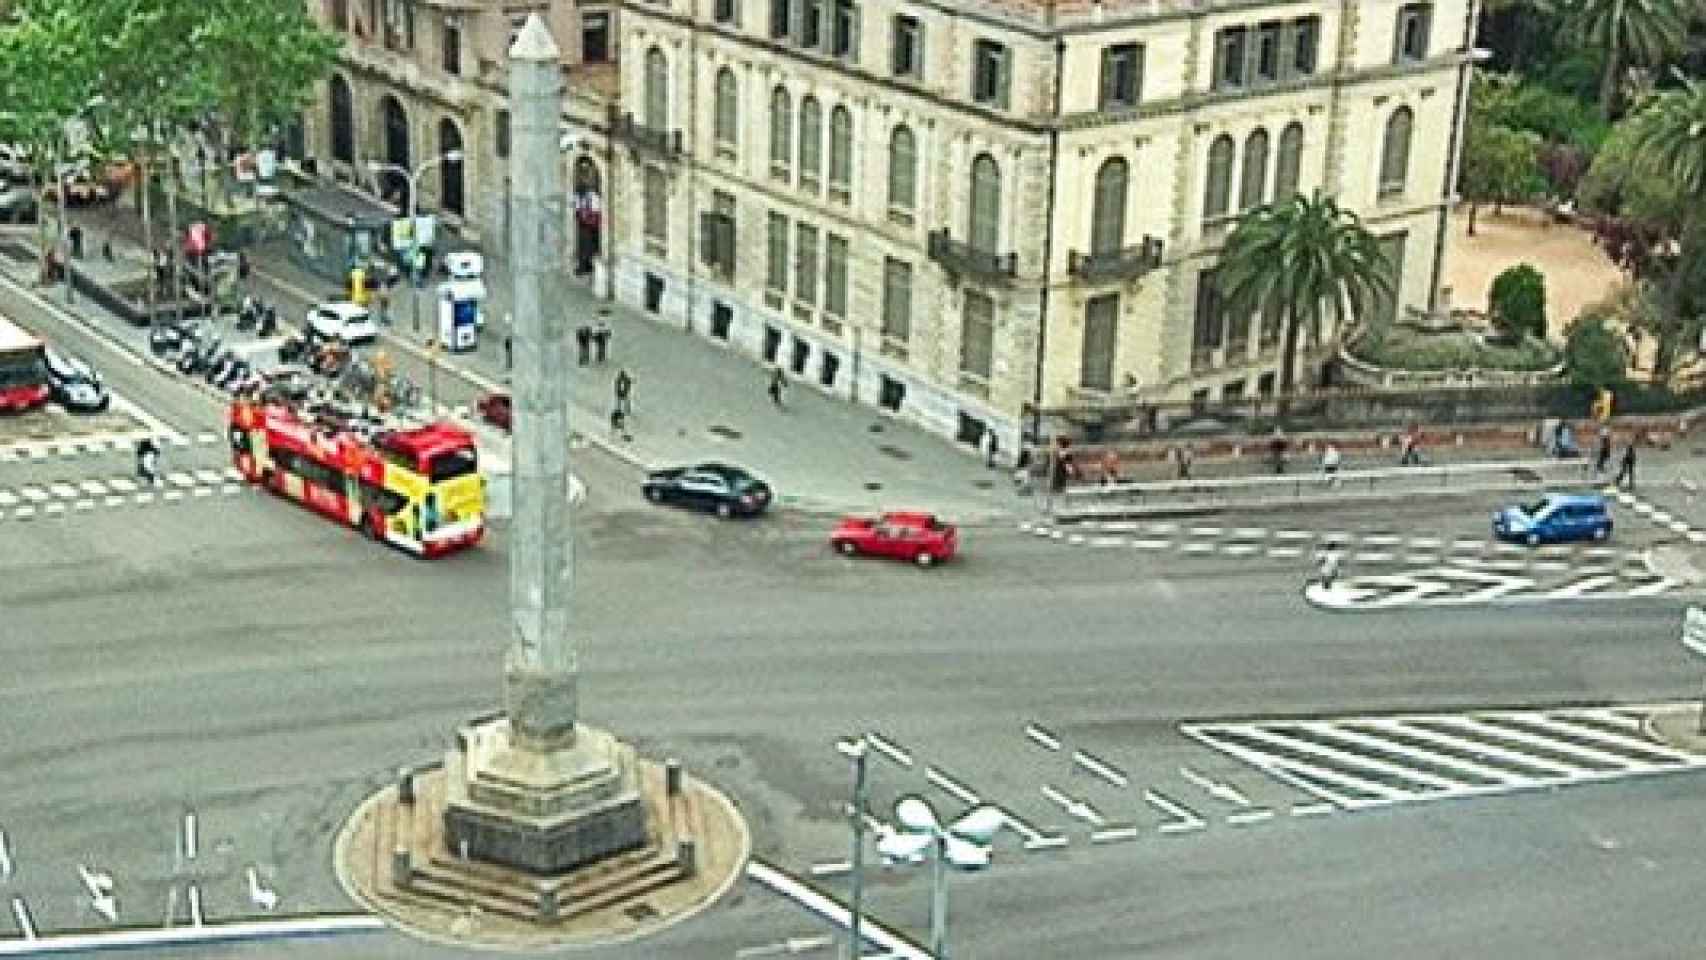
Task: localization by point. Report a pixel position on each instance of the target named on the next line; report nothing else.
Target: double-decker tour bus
(419, 488)
(23, 369)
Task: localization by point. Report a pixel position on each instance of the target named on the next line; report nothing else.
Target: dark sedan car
(724, 490)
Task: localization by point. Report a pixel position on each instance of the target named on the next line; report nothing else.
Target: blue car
(1555, 518)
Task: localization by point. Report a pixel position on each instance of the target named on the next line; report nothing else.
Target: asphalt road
(232, 655)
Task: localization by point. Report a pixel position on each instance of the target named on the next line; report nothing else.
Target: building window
(1217, 186)
(841, 153)
(717, 229)
(501, 134)
(725, 11)
(725, 128)
(835, 276)
(1395, 152)
(977, 335)
(776, 266)
(1107, 217)
(1101, 337)
(342, 122)
(1229, 58)
(1209, 324)
(1255, 183)
(450, 192)
(811, 143)
(450, 45)
(991, 73)
(1410, 38)
(811, 24)
(1305, 39)
(1290, 161)
(897, 300)
(907, 48)
(844, 31)
(595, 36)
(903, 169)
(805, 263)
(656, 189)
(984, 233)
(399, 25)
(1267, 53)
(781, 19)
(657, 90)
(1122, 75)
(781, 134)
(340, 15)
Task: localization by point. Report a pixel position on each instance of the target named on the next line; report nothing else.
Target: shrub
(1517, 303)
(1594, 356)
(1405, 348)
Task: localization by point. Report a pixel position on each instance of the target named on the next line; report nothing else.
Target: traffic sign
(1694, 630)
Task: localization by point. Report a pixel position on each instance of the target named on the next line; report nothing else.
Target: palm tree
(1308, 257)
(1670, 132)
(1642, 32)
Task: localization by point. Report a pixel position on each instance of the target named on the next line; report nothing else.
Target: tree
(1594, 355)
(1307, 257)
(1639, 32)
(1500, 165)
(1671, 130)
(1518, 303)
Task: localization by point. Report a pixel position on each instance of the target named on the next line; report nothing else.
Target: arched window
(1395, 152)
(450, 171)
(781, 132)
(811, 140)
(727, 124)
(1107, 217)
(1217, 186)
(903, 168)
(343, 122)
(657, 90)
(1290, 162)
(1255, 183)
(985, 232)
(841, 149)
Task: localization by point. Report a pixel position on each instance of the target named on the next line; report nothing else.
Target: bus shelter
(333, 231)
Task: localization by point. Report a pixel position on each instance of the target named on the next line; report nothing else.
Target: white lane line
(181, 479)
(1184, 818)
(1373, 556)
(83, 505)
(26, 923)
(93, 488)
(1040, 736)
(1207, 531)
(1382, 539)
(888, 749)
(831, 869)
(1602, 552)
(1250, 533)
(8, 498)
(1239, 549)
(1652, 589)
(123, 484)
(1285, 551)
(203, 491)
(1580, 587)
(1312, 809)
(1075, 538)
(55, 509)
(1197, 547)
(172, 495)
(1697, 536)
(231, 489)
(34, 494)
(1105, 542)
(1549, 566)
(1426, 543)
(1458, 545)
(1247, 817)
(1045, 843)
(144, 498)
(115, 501)
(23, 513)
(1120, 526)
(1152, 544)
(1293, 535)
(1424, 559)
(1101, 768)
(1215, 788)
(210, 477)
(951, 785)
(1661, 518)
(1114, 835)
(1163, 528)
(1678, 526)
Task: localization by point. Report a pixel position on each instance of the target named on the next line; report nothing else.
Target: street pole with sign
(1694, 638)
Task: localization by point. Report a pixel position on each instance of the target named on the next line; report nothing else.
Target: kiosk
(458, 316)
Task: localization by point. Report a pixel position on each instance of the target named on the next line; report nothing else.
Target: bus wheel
(372, 527)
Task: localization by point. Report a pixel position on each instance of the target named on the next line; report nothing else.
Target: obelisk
(533, 788)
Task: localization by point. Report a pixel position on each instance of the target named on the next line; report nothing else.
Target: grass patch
(1406, 348)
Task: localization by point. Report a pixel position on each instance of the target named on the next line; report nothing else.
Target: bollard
(405, 786)
(672, 777)
(548, 903)
(402, 867)
(686, 855)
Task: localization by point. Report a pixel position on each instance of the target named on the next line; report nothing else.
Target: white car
(343, 320)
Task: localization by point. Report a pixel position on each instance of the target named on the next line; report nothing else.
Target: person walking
(1110, 467)
(601, 339)
(1330, 460)
(624, 392)
(1186, 456)
(1602, 454)
(991, 446)
(509, 353)
(1276, 450)
(777, 382)
(583, 344)
(1411, 447)
(148, 461)
(1626, 469)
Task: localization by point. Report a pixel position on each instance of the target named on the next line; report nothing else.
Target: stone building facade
(956, 210)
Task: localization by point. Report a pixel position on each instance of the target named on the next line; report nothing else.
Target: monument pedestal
(545, 811)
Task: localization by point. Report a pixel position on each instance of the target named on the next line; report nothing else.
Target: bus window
(453, 464)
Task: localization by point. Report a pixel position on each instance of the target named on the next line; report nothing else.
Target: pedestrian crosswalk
(1358, 762)
(94, 445)
(32, 500)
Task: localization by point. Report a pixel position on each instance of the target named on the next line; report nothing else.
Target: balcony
(664, 144)
(966, 260)
(1126, 263)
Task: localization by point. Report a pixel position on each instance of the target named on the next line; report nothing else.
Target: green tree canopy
(1594, 355)
(1640, 32)
(1500, 165)
(264, 58)
(1671, 131)
(1518, 303)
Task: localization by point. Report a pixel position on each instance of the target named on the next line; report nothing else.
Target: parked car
(17, 201)
(494, 408)
(921, 538)
(74, 384)
(1555, 518)
(340, 319)
(726, 490)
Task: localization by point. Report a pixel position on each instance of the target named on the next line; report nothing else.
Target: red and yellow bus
(418, 488)
(23, 369)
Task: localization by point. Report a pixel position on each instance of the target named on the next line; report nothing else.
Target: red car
(919, 537)
(494, 408)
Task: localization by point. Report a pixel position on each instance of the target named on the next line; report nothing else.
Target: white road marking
(206, 438)
(172, 495)
(1215, 788)
(144, 498)
(34, 494)
(1294, 535)
(1248, 817)
(1250, 533)
(1678, 526)
(63, 491)
(211, 477)
(1100, 768)
(181, 479)
(1652, 589)
(1184, 818)
(203, 491)
(8, 498)
(93, 488)
(1163, 528)
(1426, 543)
(115, 501)
(1660, 517)
(1114, 835)
(1312, 809)
(1104, 542)
(951, 785)
(1285, 551)
(26, 923)
(1382, 539)
(831, 869)
(123, 484)
(1239, 549)
(1045, 843)
(1580, 587)
(888, 749)
(1039, 735)
(1206, 531)
(1152, 544)
(1374, 556)
(55, 509)
(1074, 806)
(83, 505)
(241, 931)
(1195, 547)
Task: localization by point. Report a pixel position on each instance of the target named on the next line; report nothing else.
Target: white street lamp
(413, 178)
(857, 751)
(963, 844)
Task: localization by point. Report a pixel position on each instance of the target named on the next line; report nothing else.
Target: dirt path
(1577, 272)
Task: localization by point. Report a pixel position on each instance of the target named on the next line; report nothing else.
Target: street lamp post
(413, 179)
(859, 752)
(963, 844)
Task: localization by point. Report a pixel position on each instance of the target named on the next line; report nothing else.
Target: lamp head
(851, 749)
(916, 815)
(979, 825)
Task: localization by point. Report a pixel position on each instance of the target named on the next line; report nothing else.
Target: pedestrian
(583, 343)
(1022, 465)
(107, 250)
(1411, 446)
(601, 338)
(148, 461)
(75, 235)
(509, 353)
(624, 392)
(1626, 470)
(1276, 450)
(619, 423)
(242, 265)
(1110, 467)
(777, 382)
(1186, 456)
(1330, 460)
(1602, 455)
(991, 446)
(1327, 562)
